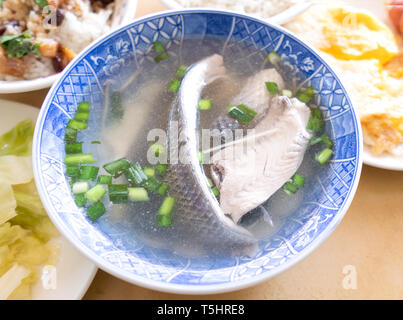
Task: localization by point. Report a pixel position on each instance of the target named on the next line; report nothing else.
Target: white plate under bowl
(74, 272)
(280, 18)
(124, 13)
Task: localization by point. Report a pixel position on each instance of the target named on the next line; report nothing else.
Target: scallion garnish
(135, 175)
(200, 155)
(157, 149)
(103, 179)
(96, 211)
(80, 200)
(161, 169)
(152, 184)
(242, 113)
(180, 72)
(77, 125)
(324, 138)
(118, 193)
(41, 3)
(287, 93)
(84, 106)
(163, 189)
(72, 171)
(216, 192)
(174, 85)
(316, 122)
(95, 194)
(161, 57)
(79, 158)
(138, 194)
(290, 188)
(158, 46)
(149, 171)
(167, 206)
(305, 96)
(298, 179)
(88, 173)
(70, 135)
(204, 104)
(82, 116)
(324, 156)
(80, 187)
(76, 147)
(95, 142)
(272, 87)
(117, 167)
(163, 221)
(273, 57)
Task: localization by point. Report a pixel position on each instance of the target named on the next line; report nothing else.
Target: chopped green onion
(80, 187)
(79, 158)
(138, 194)
(149, 171)
(180, 72)
(305, 96)
(200, 155)
(41, 3)
(135, 174)
(158, 46)
(162, 190)
(163, 221)
(84, 107)
(299, 180)
(161, 169)
(324, 138)
(117, 167)
(152, 184)
(96, 142)
(88, 173)
(174, 85)
(157, 149)
(315, 140)
(272, 87)
(242, 113)
(324, 156)
(167, 206)
(310, 91)
(216, 192)
(70, 135)
(118, 193)
(80, 200)
(76, 147)
(290, 188)
(316, 122)
(273, 57)
(210, 183)
(78, 125)
(287, 93)
(96, 211)
(72, 171)
(103, 179)
(161, 57)
(95, 194)
(82, 116)
(205, 104)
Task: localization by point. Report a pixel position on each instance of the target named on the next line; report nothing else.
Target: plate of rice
(275, 11)
(38, 38)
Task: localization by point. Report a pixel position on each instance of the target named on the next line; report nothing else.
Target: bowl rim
(20, 86)
(189, 288)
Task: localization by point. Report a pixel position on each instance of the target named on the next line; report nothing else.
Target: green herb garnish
(19, 45)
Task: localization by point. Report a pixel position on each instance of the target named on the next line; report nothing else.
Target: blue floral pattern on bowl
(129, 48)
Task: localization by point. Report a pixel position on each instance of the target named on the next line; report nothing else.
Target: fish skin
(247, 175)
(197, 215)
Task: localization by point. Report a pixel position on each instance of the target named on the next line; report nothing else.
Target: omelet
(368, 57)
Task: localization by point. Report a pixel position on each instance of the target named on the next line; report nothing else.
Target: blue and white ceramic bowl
(112, 246)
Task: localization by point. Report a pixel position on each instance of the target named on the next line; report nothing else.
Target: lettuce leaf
(16, 169)
(18, 141)
(8, 203)
(11, 280)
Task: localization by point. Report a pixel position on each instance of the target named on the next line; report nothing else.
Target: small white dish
(74, 272)
(280, 18)
(388, 162)
(124, 13)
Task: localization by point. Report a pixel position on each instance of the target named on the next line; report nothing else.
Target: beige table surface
(370, 239)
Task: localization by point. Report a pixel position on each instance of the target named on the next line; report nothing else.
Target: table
(367, 244)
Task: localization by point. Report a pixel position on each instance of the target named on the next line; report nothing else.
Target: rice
(82, 24)
(263, 8)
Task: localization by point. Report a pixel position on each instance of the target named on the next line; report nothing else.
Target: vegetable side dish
(39, 37)
(25, 229)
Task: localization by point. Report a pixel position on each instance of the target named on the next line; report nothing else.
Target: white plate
(124, 13)
(389, 162)
(280, 18)
(74, 272)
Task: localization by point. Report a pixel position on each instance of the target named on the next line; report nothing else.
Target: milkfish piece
(249, 172)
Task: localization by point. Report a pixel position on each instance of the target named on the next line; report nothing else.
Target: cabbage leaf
(8, 203)
(18, 141)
